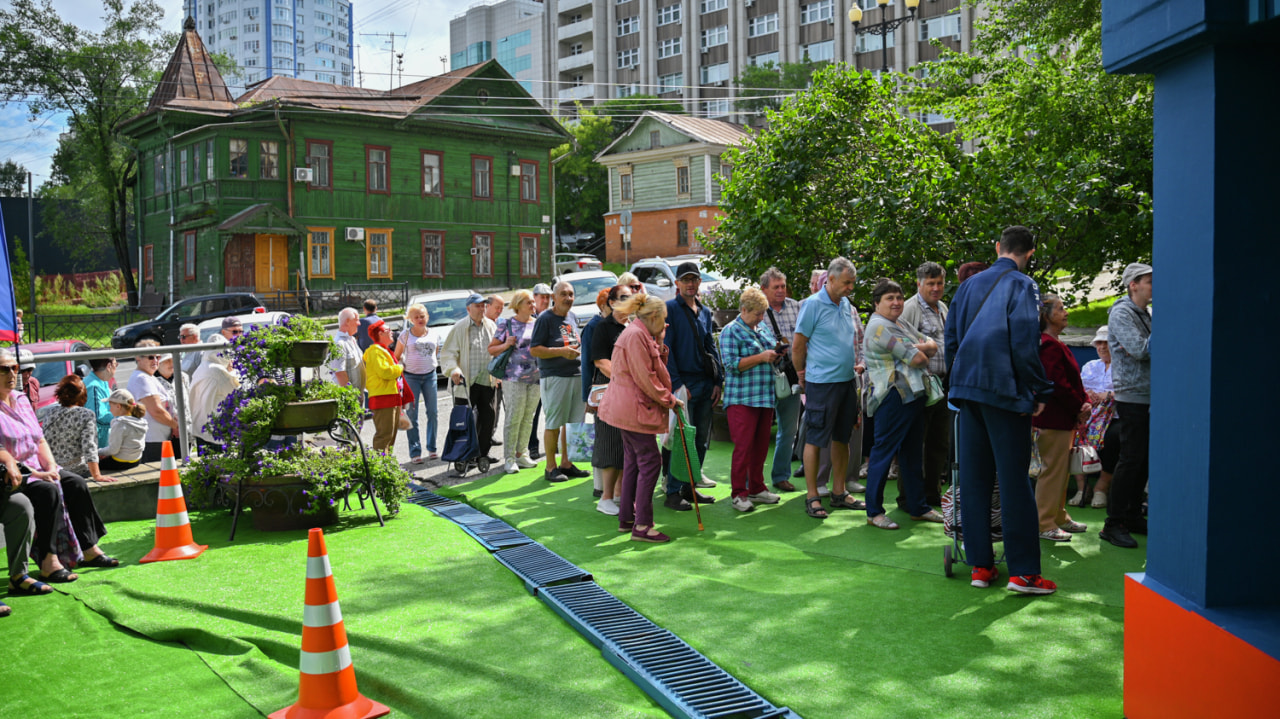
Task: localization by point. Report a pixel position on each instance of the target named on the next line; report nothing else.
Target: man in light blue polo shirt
(822, 350)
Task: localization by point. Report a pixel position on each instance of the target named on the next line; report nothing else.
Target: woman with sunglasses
(155, 397)
(631, 282)
(55, 501)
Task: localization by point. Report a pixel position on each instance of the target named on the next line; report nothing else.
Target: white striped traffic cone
(173, 527)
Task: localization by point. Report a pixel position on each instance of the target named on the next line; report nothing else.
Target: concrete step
(132, 496)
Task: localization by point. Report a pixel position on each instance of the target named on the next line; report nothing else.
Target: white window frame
(764, 57)
(671, 82)
(713, 5)
(817, 11)
(937, 27)
(710, 74)
(828, 45)
(670, 14)
(716, 107)
(715, 37)
(874, 43)
(761, 25)
(628, 26)
(628, 58)
(670, 47)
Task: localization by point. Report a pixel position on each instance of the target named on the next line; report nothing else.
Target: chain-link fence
(93, 329)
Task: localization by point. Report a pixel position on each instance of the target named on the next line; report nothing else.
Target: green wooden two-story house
(442, 183)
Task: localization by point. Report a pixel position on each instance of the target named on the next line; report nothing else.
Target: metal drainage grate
(427, 498)
(540, 567)
(684, 682)
(493, 534)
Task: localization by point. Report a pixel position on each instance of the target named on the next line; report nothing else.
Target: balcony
(576, 29)
(581, 92)
(571, 4)
(582, 59)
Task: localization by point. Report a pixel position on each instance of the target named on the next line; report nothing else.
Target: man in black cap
(694, 365)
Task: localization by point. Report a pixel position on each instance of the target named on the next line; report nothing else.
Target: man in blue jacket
(694, 364)
(997, 381)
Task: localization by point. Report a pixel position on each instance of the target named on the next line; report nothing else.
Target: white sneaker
(862, 471)
(893, 470)
(511, 466)
(523, 462)
(607, 506)
(1099, 500)
(706, 482)
(765, 497)
(1077, 499)
(853, 487)
(823, 490)
(742, 504)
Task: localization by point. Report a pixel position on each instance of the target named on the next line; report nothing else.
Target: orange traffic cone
(327, 685)
(173, 528)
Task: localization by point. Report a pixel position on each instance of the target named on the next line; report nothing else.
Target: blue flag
(8, 302)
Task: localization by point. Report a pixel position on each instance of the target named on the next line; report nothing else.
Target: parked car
(49, 374)
(164, 328)
(211, 327)
(658, 274)
(444, 308)
(567, 262)
(586, 285)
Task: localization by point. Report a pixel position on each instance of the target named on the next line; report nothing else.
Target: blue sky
(422, 27)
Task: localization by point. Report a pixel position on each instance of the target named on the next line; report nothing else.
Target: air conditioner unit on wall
(303, 174)
(355, 234)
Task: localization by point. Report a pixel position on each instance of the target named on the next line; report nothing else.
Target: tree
(582, 184)
(841, 171)
(1064, 148)
(13, 179)
(764, 87)
(96, 79)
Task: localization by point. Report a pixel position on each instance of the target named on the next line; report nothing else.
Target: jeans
(900, 431)
(749, 430)
(521, 400)
(424, 391)
(640, 466)
(788, 414)
(1130, 479)
(995, 443)
(699, 414)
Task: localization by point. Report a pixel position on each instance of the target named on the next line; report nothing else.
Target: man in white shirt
(348, 366)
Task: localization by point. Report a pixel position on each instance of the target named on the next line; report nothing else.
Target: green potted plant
(723, 303)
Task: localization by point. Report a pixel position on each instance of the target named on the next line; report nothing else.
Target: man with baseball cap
(465, 358)
(27, 370)
(232, 328)
(696, 370)
(1129, 338)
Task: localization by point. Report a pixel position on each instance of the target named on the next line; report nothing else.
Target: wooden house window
(530, 256)
(148, 266)
(157, 173)
(432, 173)
(432, 253)
(182, 167)
(625, 188)
(378, 253)
(320, 250)
(269, 160)
(682, 234)
(320, 160)
(481, 178)
(377, 169)
(528, 181)
(189, 266)
(682, 181)
(239, 150)
(209, 169)
(482, 254)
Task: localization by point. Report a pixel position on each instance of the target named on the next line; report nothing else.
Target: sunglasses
(8, 368)
(635, 287)
(236, 332)
(153, 358)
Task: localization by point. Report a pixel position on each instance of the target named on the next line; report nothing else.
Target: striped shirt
(753, 388)
(20, 433)
(890, 347)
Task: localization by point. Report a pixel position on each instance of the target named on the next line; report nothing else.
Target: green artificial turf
(839, 619)
(437, 628)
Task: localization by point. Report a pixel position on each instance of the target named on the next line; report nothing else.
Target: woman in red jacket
(1056, 425)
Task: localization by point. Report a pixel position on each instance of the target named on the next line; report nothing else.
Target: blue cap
(476, 298)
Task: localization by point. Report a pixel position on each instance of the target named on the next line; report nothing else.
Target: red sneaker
(1032, 584)
(984, 576)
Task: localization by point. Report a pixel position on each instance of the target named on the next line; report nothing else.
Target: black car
(164, 328)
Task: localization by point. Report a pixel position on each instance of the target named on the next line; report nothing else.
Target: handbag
(498, 365)
(1036, 466)
(581, 438)
(933, 390)
(403, 422)
(781, 385)
(1084, 460)
(596, 395)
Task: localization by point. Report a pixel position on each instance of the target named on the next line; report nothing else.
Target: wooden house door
(272, 260)
(238, 264)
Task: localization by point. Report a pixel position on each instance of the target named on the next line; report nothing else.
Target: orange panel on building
(658, 233)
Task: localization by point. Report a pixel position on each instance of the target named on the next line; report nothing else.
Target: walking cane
(693, 487)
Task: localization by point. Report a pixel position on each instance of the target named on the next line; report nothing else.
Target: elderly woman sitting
(56, 496)
(71, 429)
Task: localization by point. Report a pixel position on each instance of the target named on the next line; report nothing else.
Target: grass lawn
(616, 268)
(1092, 314)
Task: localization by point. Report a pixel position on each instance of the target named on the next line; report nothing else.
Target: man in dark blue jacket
(997, 381)
(694, 364)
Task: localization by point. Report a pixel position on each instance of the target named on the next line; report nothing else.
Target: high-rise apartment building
(308, 39)
(513, 32)
(692, 50)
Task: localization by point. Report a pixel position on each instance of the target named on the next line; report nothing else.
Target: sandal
(882, 521)
(62, 576)
(625, 526)
(813, 508)
(34, 589)
(103, 561)
(930, 516)
(842, 501)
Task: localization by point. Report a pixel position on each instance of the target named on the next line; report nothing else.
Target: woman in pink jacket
(637, 402)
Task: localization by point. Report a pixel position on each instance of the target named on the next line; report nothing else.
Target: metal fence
(94, 329)
(312, 302)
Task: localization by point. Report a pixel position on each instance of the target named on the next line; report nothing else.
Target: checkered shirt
(932, 324)
(753, 388)
(786, 318)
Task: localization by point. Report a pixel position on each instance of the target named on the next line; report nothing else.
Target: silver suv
(658, 275)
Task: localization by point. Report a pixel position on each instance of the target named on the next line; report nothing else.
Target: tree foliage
(96, 79)
(13, 179)
(764, 87)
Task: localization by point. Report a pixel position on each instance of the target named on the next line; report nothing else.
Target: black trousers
(486, 418)
(85, 522)
(1110, 452)
(18, 519)
(535, 436)
(1124, 505)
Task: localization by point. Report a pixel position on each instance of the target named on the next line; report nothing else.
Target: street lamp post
(884, 27)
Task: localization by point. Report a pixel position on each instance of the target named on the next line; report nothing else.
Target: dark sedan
(164, 328)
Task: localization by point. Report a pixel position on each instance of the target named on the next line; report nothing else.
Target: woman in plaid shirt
(746, 347)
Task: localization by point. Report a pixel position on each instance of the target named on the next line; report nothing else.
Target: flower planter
(279, 504)
(308, 353)
(722, 318)
(306, 415)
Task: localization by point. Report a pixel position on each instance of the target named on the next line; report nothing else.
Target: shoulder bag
(498, 365)
(781, 383)
(788, 368)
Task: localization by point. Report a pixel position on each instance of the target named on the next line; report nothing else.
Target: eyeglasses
(636, 286)
(153, 358)
(237, 332)
(8, 368)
